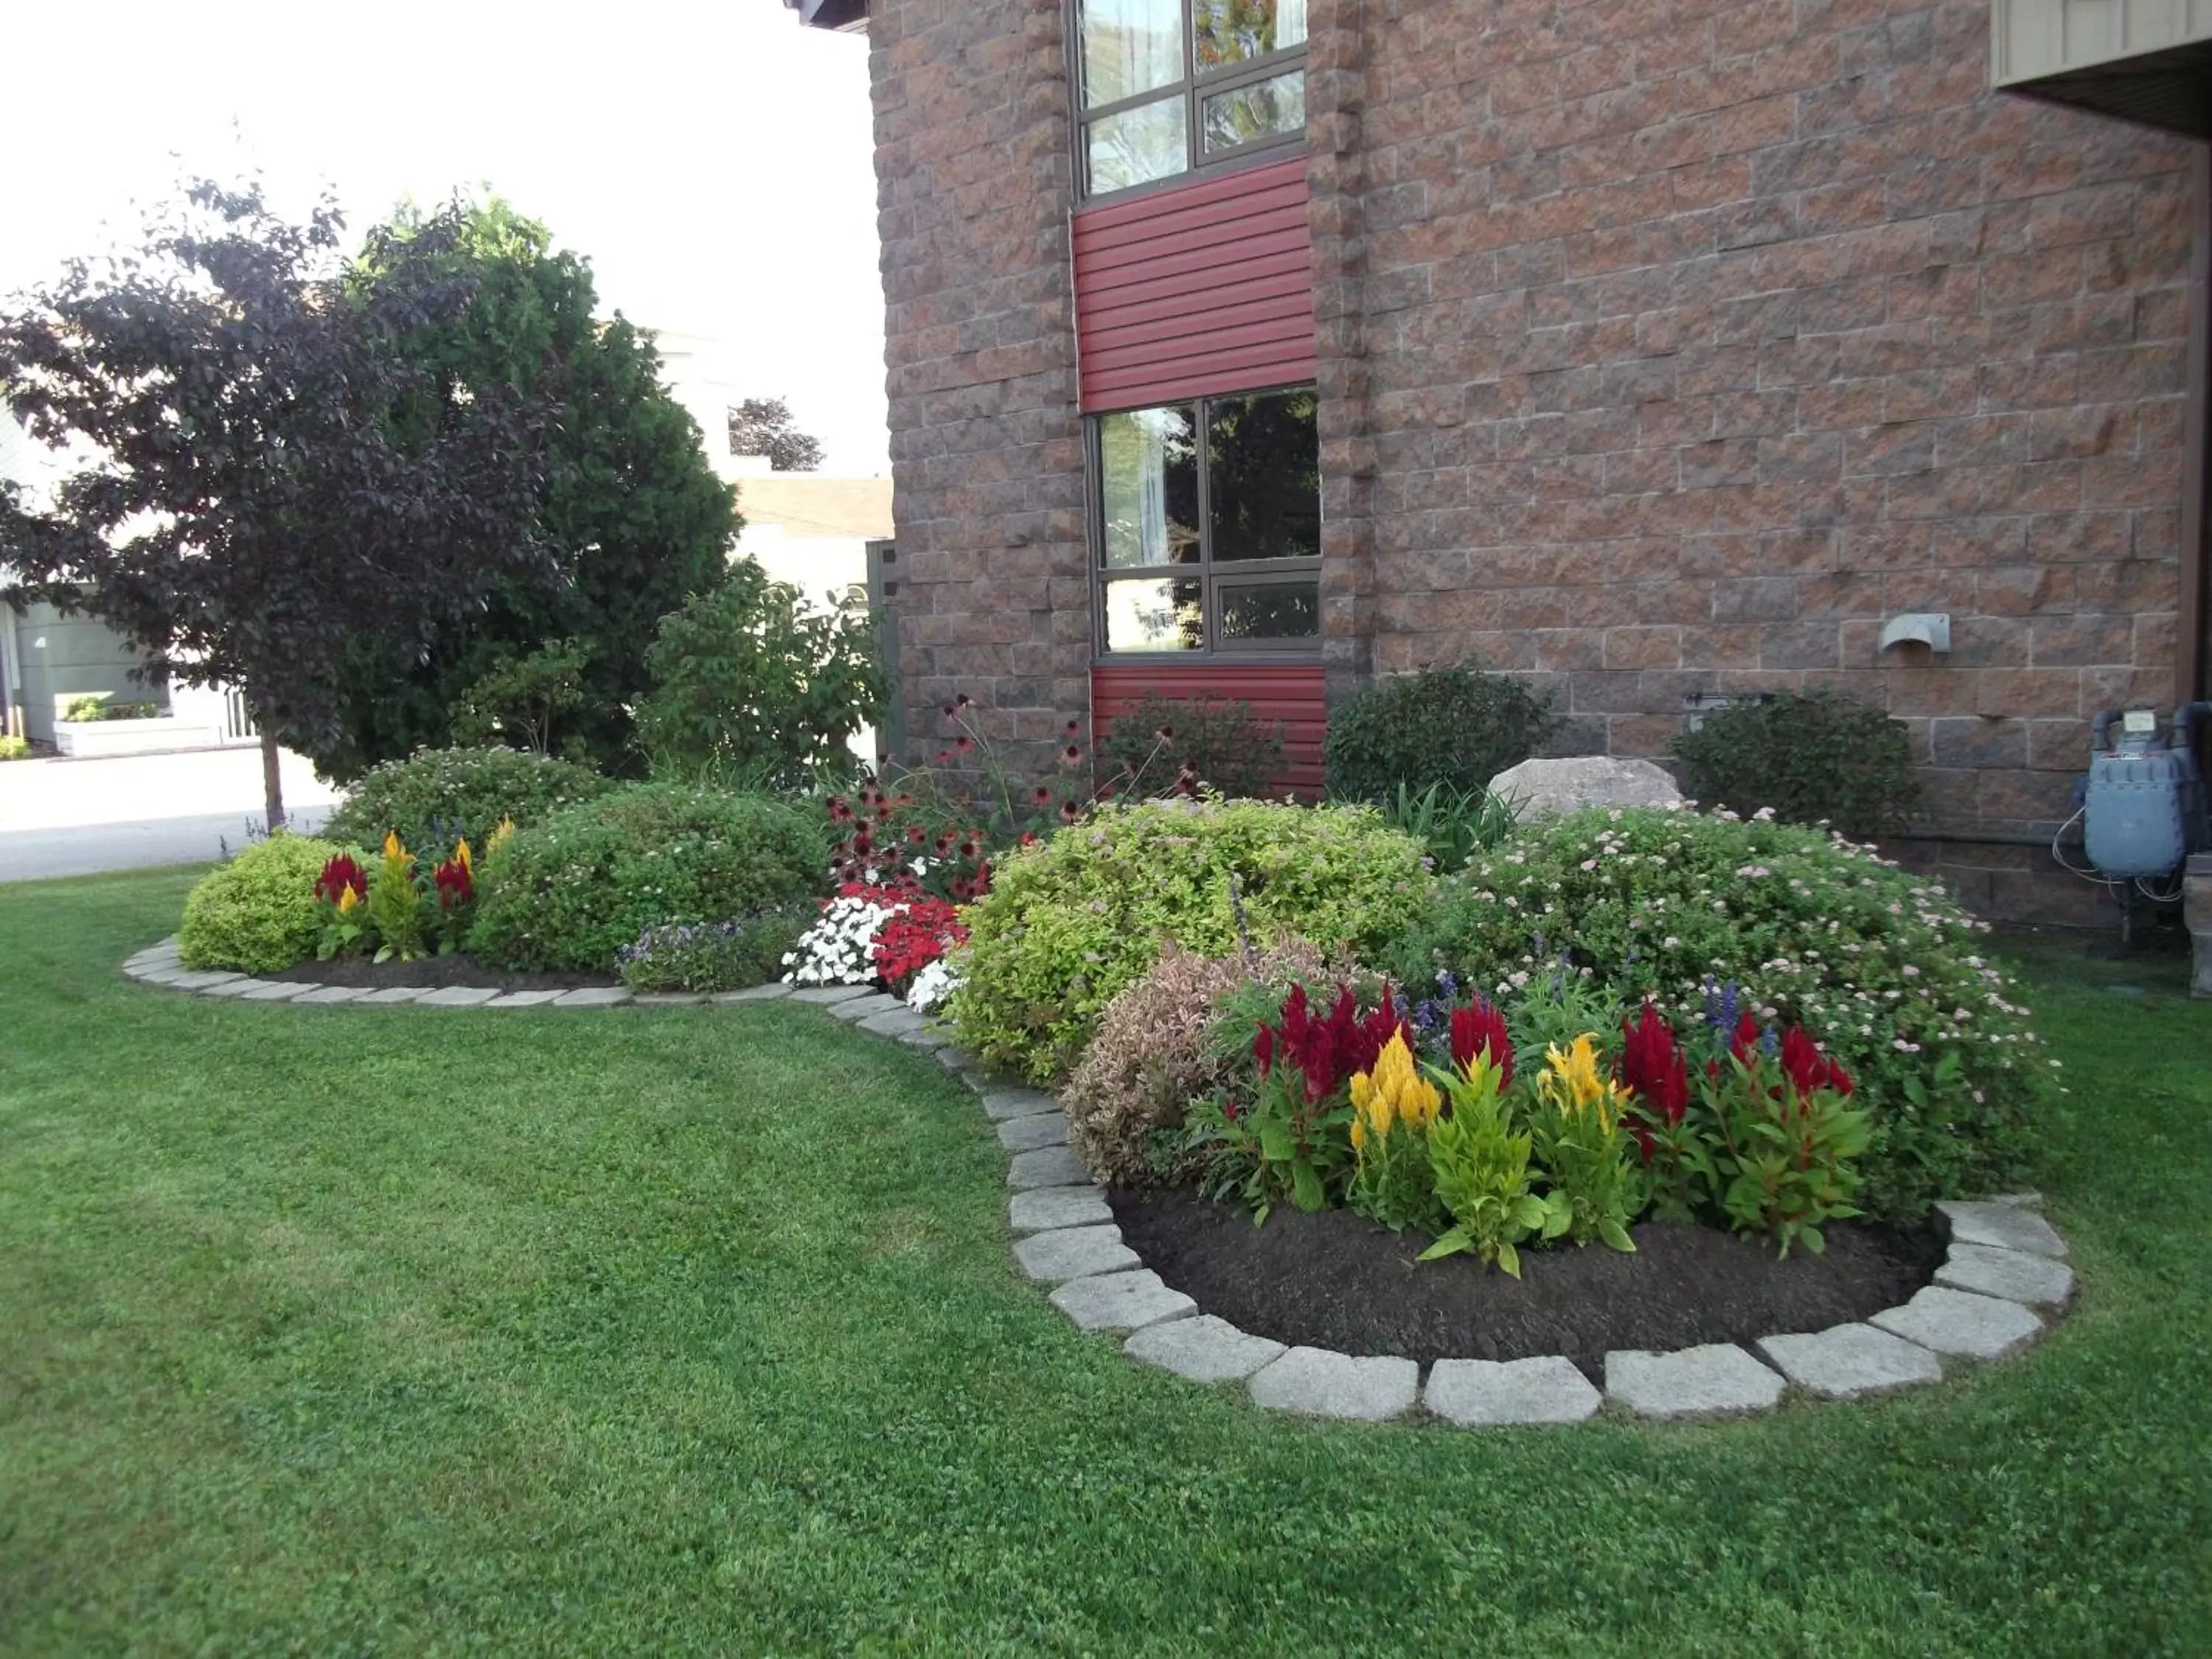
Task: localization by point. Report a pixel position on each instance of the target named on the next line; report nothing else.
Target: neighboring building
(1652, 352)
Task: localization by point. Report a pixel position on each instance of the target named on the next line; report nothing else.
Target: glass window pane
(1137, 146)
(1263, 461)
(1231, 31)
(1129, 46)
(1271, 610)
(1263, 110)
(1148, 475)
(1154, 613)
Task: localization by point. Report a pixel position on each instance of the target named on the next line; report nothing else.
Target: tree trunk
(272, 780)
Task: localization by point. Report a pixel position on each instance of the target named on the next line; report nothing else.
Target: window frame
(1193, 88)
(1212, 576)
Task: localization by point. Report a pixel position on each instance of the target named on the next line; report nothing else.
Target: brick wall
(971, 130)
(1671, 349)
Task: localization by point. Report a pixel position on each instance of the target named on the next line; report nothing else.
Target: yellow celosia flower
(499, 837)
(1393, 1092)
(394, 848)
(347, 899)
(461, 856)
(1573, 1084)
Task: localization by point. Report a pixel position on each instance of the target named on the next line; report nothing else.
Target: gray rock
(331, 993)
(158, 974)
(1321, 1382)
(1057, 1207)
(1026, 1135)
(1203, 1348)
(768, 993)
(928, 1037)
(895, 1021)
(590, 996)
(1545, 788)
(2011, 1275)
(1121, 1302)
(459, 996)
(238, 988)
(206, 979)
(1717, 1380)
(2025, 1199)
(1481, 1393)
(2002, 1227)
(1846, 1361)
(1000, 1104)
(859, 1008)
(667, 999)
(1960, 1322)
(267, 990)
(524, 999)
(826, 995)
(398, 994)
(1075, 1253)
(164, 954)
(1047, 1166)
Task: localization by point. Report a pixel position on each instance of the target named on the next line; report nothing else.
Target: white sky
(711, 158)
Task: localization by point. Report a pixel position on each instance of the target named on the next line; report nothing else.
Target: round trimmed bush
(1456, 727)
(436, 795)
(571, 891)
(1820, 757)
(1881, 967)
(256, 914)
(1071, 922)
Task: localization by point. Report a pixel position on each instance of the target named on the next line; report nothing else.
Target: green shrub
(1453, 824)
(257, 914)
(570, 891)
(1819, 758)
(1219, 743)
(1880, 966)
(1071, 922)
(437, 795)
(13, 748)
(723, 956)
(1457, 727)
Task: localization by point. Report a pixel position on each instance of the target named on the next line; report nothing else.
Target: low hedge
(256, 914)
(436, 795)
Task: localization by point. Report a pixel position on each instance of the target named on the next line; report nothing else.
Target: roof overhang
(2150, 64)
(832, 13)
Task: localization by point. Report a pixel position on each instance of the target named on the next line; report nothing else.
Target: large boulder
(1542, 788)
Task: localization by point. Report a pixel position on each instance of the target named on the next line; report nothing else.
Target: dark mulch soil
(1337, 1280)
(436, 972)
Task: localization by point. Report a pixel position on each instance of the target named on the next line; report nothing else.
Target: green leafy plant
(1452, 823)
(256, 913)
(1481, 1171)
(1584, 1150)
(1456, 726)
(1214, 742)
(442, 794)
(341, 892)
(570, 891)
(1393, 1108)
(396, 898)
(1785, 1136)
(1068, 923)
(13, 748)
(747, 675)
(725, 956)
(1818, 758)
(517, 703)
(85, 706)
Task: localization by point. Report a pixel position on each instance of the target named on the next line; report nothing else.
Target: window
(1209, 526)
(1168, 86)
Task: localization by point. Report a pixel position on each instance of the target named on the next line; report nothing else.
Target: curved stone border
(2002, 1277)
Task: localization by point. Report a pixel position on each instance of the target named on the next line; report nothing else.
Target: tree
(764, 426)
(629, 507)
(265, 479)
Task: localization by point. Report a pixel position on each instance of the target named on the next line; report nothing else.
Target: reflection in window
(1137, 146)
(1155, 613)
(1263, 474)
(1264, 109)
(1130, 46)
(1231, 31)
(1270, 610)
(1148, 467)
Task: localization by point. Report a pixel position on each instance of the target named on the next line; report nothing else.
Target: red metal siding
(1204, 288)
(1288, 693)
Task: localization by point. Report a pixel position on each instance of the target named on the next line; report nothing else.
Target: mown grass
(339, 1331)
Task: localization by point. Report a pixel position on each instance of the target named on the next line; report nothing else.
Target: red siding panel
(1289, 693)
(1204, 288)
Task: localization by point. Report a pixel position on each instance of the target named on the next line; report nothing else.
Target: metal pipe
(1981, 837)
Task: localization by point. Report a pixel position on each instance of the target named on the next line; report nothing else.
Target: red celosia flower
(1263, 1049)
(1652, 1066)
(339, 874)
(1807, 1069)
(1480, 1030)
(454, 883)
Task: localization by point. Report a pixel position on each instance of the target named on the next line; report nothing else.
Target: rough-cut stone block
(398, 994)
(1026, 1135)
(1960, 1322)
(1717, 1380)
(860, 1008)
(1000, 1104)
(667, 999)
(1057, 1207)
(1545, 788)
(331, 993)
(524, 999)
(1047, 1166)
(590, 996)
(1482, 1393)
(1321, 1382)
(768, 993)
(892, 1023)
(268, 990)
(237, 987)
(461, 996)
(1203, 1348)
(2002, 1227)
(1846, 1361)
(826, 995)
(159, 973)
(1075, 1253)
(926, 1036)
(1121, 1302)
(2012, 1275)
(206, 979)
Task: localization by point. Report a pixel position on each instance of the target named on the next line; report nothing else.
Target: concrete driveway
(71, 817)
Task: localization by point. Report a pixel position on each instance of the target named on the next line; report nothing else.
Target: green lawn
(334, 1331)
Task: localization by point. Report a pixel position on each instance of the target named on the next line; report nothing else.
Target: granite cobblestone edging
(2003, 1277)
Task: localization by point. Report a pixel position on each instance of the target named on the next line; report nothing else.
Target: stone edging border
(2003, 1275)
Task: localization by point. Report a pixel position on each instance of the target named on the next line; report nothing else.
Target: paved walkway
(71, 817)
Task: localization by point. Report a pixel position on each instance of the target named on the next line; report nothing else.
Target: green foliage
(1481, 1171)
(1574, 1123)
(764, 426)
(438, 795)
(1453, 824)
(1212, 743)
(1783, 1159)
(257, 914)
(571, 891)
(725, 956)
(397, 898)
(748, 675)
(1816, 758)
(517, 703)
(1456, 727)
(1071, 922)
(102, 706)
(14, 747)
(1881, 968)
